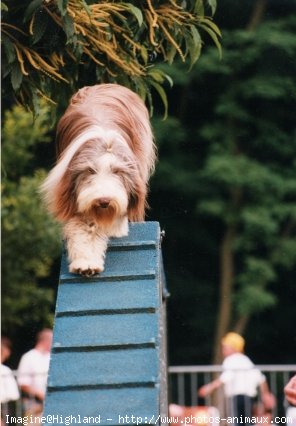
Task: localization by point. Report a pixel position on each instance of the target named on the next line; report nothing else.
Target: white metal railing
(184, 382)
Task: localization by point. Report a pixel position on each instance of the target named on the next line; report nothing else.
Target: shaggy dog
(106, 154)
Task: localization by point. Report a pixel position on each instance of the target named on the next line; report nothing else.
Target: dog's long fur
(106, 155)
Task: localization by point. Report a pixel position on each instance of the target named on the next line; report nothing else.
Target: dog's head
(112, 107)
(101, 181)
(106, 155)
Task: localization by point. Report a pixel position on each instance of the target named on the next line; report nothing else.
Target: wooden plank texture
(102, 295)
(104, 330)
(124, 263)
(104, 367)
(109, 403)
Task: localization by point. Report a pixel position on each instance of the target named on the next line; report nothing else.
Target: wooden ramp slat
(104, 367)
(105, 330)
(108, 403)
(107, 358)
(109, 295)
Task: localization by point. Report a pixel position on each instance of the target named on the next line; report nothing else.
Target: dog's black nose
(104, 202)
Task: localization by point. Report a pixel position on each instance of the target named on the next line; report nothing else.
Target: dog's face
(101, 182)
(100, 189)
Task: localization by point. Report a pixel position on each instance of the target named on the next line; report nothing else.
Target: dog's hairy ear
(64, 206)
(137, 203)
(69, 127)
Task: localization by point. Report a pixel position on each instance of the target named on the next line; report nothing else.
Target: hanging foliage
(52, 47)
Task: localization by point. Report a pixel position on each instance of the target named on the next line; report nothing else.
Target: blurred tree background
(224, 188)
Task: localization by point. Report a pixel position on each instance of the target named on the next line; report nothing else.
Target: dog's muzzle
(103, 202)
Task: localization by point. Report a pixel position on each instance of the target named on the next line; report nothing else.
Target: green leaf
(171, 54)
(62, 6)
(35, 102)
(39, 26)
(214, 37)
(213, 5)
(6, 69)
(199, 8)
(31, 9)
(16, 77)
(4, 7)
(160, 76)
(212, 25)
(169, 79)
(194, 45)
(136, 12)
(157, 75)
(141, 89)
(144, 54)
(69, 27)
(9, 49)
(160, 90)
(150, 101)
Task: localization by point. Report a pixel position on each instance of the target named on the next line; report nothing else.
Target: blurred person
(241, 380)
(9, 390)
(33, 371)
(290, 391)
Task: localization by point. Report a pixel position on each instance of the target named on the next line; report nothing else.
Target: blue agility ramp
(108, 361)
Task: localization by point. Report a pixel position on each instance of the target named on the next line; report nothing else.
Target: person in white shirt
(8, 389)
(240, 378)
(33, 371)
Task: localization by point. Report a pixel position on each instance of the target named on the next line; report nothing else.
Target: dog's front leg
(119, 228)
(86, 245)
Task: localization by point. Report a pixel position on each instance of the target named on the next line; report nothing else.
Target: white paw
(86, 267)
(120, 233)
(120, 229)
